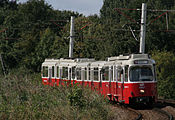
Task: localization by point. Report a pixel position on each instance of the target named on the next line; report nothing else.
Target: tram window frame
(140, 73)
(78, 73)
(105, 73)
(115, 73)
(73, 73)
(119, 75)
(88, 74)
(64, 73)
(45, 73)
(69, 73)
(91, 74)
(126, 73)
(85, 73)
(96, 74)
(53, 71)
(82, 74)
(111, 73)
(58, 71)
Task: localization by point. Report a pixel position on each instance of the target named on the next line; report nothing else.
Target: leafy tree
(43, 49)
(165, 68)
(156, 36)
(23, 28)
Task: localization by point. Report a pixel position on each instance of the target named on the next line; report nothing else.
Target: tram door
(120, 77)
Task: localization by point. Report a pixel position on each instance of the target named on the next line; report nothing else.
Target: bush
(22, 96)
(165, 69)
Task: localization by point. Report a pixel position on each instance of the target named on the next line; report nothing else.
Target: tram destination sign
(141, 62)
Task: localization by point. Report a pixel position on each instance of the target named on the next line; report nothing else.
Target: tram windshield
(143, 73)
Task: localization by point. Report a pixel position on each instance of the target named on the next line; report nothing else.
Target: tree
(43, 50)
(156, 36)
(23, 28)
(165, 69)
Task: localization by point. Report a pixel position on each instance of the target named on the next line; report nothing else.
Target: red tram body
(126, 79)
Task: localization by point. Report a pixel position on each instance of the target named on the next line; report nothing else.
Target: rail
(139, 115)
(137, 112)
(164, 112)
(168, 102)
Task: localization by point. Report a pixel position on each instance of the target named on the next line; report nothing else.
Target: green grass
(22, 96)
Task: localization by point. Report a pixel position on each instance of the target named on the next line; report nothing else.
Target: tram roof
(128, 57)
(50, 62)
(84, 62)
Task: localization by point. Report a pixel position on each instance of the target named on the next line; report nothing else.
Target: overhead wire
(155, 10)
(129, 18)
(157, 18)
(152, 10)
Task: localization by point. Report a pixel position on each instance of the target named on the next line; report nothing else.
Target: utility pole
(143, 29)
(72, 36)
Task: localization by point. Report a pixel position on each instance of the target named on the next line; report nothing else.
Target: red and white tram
(126, 79)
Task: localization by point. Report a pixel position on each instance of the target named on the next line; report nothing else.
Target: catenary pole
(72, 36)
(143, 29)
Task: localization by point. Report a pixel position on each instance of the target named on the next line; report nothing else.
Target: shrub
(165, 68)
(22, 96)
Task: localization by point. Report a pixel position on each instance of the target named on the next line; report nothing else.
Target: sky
(86, 7)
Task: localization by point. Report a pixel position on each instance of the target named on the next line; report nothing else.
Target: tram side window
(45, 71)
(91, 74)
(65, 73)
(53, 71)
(85, 74)
(111, 75)
(69, 73)
(126, 73)
(96, 74)
(119, 75)
(73, 73)
(82, 74)
(58, 71)
(105, 73)
(115, 74)
(78, 73)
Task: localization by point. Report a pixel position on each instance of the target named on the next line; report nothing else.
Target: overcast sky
(86, 7)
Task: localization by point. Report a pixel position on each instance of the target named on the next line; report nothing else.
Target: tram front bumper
(145, 99)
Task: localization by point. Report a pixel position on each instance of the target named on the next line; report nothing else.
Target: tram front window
(141, 74)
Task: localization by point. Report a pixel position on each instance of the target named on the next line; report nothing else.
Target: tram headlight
(142, 91)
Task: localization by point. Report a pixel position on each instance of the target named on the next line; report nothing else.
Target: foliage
(157, 36)
(22, 96)
(25, 29)
(165, 73)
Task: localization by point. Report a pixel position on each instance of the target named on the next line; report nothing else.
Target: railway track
(158, 110)
(170, 117)
(139, 115)
(167, 102)
(164, 109)
(133, 114)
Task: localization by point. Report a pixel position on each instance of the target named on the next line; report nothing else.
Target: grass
(22, 96)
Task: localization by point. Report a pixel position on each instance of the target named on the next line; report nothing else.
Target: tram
(126, 78)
